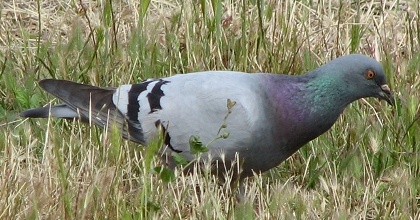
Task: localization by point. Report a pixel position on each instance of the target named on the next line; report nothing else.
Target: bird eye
(369, 74)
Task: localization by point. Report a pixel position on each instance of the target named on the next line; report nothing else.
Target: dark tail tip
(35, 113)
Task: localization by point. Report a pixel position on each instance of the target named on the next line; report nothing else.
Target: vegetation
(366, 166)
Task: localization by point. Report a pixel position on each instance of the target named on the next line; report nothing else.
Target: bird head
(363, 76)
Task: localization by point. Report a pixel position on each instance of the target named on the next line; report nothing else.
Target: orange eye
(369, 74)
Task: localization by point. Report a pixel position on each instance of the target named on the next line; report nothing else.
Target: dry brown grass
(67, 170)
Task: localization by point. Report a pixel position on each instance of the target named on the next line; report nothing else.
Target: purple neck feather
(295, 107)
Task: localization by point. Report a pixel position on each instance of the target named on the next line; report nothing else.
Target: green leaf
(179, 160)
(22, 97)
(107, 13)
(165, 174)
(144, 5)
(196, 146)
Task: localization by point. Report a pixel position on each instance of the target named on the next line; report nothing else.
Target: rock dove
(261, 118)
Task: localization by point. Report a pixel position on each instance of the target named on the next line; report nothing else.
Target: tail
(87, 103)
(55, 111)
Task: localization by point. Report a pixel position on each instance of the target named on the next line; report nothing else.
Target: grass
(366, 166)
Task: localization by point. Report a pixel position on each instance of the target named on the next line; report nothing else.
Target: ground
(366, 166)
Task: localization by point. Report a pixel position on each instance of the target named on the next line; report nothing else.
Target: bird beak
(386, 94)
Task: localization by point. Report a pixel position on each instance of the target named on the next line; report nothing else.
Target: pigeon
(259, 118)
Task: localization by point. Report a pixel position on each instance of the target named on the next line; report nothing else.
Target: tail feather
(88, 103)
(56, 111)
